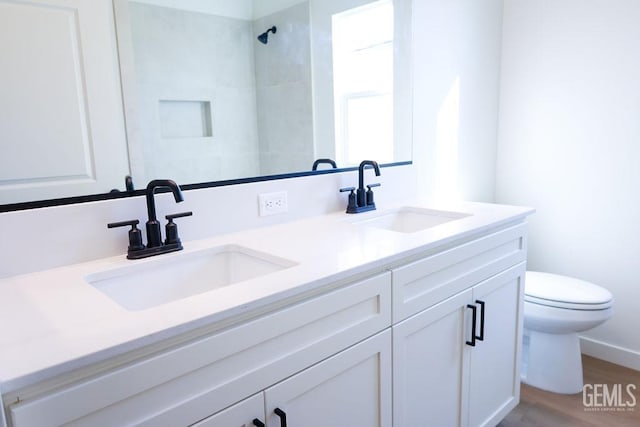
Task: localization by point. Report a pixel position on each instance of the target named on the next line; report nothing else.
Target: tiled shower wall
(177, 58)
(283, 81)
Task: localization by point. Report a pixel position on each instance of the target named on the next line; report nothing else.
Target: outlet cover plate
(273, 203)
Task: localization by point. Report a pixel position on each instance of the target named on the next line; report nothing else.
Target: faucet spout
(154, 238)
(364, 164)
(361, 194)
(151, 189)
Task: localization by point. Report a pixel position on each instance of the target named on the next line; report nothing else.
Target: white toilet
(556, 308)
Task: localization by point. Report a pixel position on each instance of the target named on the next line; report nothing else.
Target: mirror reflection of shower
(245, 109)
(264, 37)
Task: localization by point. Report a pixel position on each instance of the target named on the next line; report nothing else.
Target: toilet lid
(565, 292)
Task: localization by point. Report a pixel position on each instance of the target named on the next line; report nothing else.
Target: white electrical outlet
(273, 203)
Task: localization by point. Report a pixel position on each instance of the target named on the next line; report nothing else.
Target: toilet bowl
(556, 309)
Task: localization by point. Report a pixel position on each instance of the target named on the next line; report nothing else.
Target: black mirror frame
(37, 204)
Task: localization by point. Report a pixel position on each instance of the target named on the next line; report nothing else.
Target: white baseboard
(611, 353)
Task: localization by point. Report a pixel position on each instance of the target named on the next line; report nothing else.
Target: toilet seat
(563, 292)
(567, 305)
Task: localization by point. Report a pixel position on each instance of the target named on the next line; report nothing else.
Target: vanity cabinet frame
(227, 373)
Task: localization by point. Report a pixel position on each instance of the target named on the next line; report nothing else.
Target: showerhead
(264, 37)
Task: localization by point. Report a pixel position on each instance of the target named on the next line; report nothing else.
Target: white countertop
(53, 322)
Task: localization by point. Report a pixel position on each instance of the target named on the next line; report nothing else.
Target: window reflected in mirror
(363, 83)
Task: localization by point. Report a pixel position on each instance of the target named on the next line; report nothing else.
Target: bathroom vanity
(408, 316)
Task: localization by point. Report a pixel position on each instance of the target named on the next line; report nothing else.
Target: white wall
(456, 54)
(569, 145)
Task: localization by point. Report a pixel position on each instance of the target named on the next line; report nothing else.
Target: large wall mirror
(226, 90)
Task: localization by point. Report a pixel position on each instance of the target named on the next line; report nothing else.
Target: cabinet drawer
(185, 385)
(421, 284)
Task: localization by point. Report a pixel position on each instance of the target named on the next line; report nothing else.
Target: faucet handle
(370, 201)
(171, 229)
(178, 215)
(132, 223)
(352, 207)
(135, 235)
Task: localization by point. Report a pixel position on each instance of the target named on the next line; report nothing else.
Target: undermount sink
(410, 219)
(163, 280)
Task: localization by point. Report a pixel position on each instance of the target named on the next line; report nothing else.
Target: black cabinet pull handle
(283, 416)
(474, 309)
(481, 336)
(258, 423)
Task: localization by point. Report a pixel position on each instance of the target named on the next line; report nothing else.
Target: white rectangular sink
(409, 219)
(177, 276)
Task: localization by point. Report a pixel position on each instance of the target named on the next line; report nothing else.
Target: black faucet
(154, 238)
(155, 245)
(362, 201)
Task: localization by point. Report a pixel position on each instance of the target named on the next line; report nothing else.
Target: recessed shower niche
(185, 119)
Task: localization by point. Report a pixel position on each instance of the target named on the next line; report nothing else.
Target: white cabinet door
(248, 413)
(430, 362)
(495, 361)
(61, 117)
(350, 389)
(444, 377)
